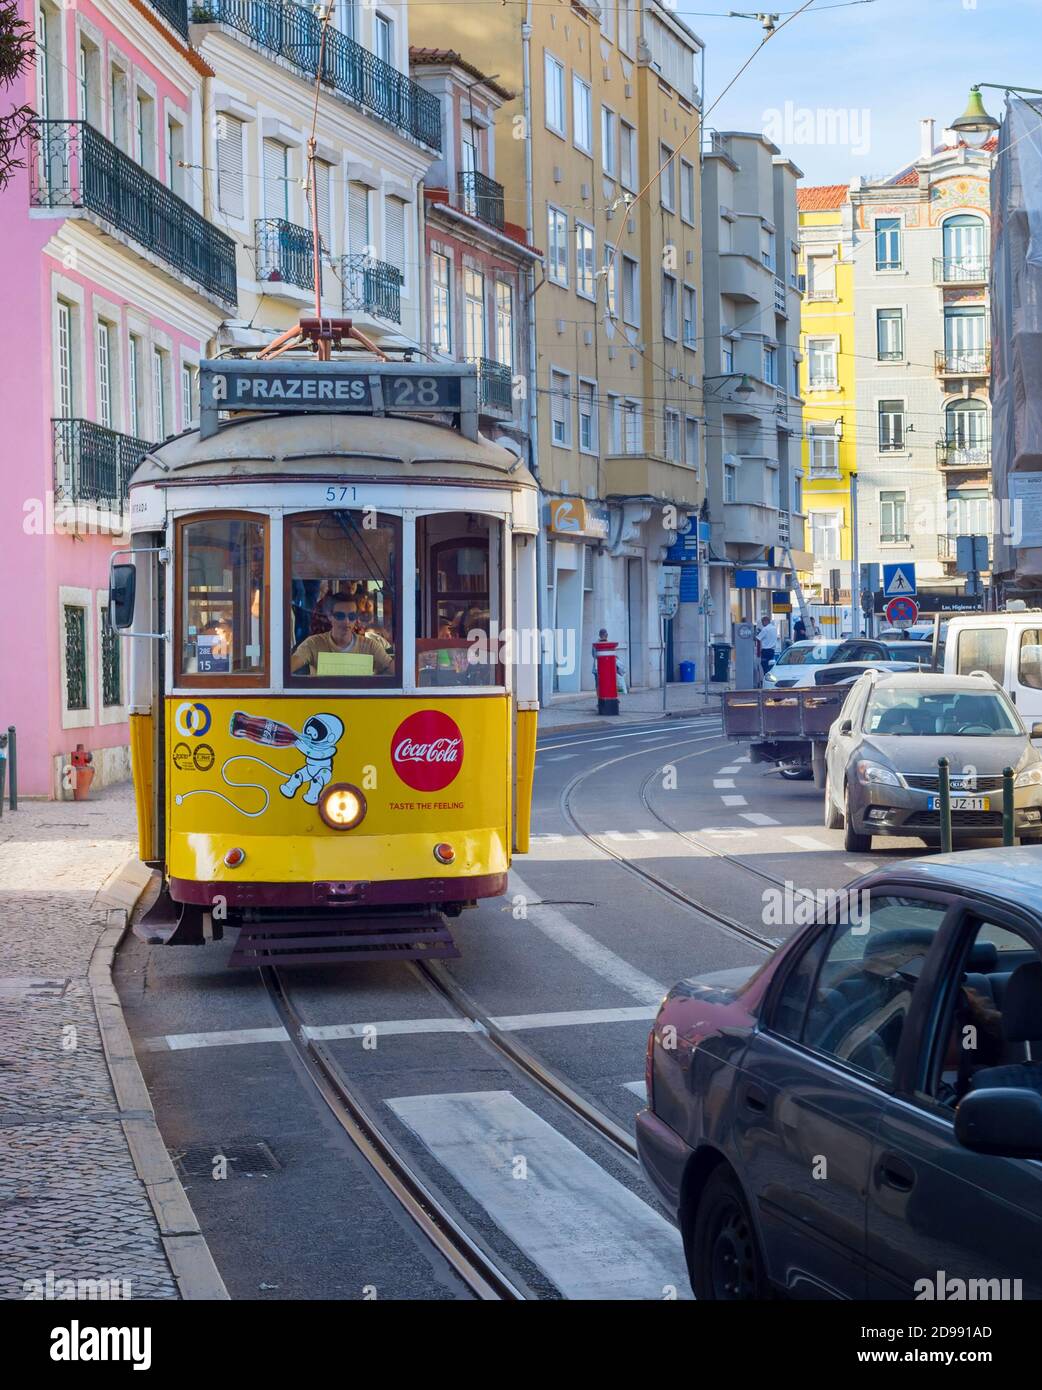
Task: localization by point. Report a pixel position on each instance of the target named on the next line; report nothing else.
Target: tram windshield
(342, 624)
(222, 622)
(457, 593)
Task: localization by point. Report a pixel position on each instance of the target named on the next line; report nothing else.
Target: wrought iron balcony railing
(93, 464)
(294, 33)
(963, 361)
(372, 286)
(175, 12)
(481, 197)
(73, 165)
(285, 253)
(954, 453)
(495, 385)
(960, 270)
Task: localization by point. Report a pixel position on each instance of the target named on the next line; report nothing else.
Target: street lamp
(745, 386)
(975, 126)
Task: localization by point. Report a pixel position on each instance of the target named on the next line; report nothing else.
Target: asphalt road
(659, 852)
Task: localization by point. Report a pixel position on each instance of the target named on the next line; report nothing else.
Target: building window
(111, 674)
(823, 451)
(825, 532)
(770, 365)
(669, 306)
(275, 157)
(557, 246)
(505, 324)
(611, 282)
(967, 432)
(358, 230)
(821, 277)
(609, 154)
(626, 26)
(891, 426)
(103, 383)
(88, 68)
(394, 236)
(134, 385)
(630, 292)
(690, 301)
(560, 409)
(672, 436)
(727, 357)
(767, 249)
(75, 656)
(473, 314)
(229, 166)
(614, 423)
(189, 395)
(965, 250)
(145, 131)
(667, 178)
(628, 156)
(966, 340)
(608, 19)
(160, 410)
(175, 156)
(582, 115)
(632, 427)
(588, 417)
(821, 359)
(441, 304)
(730, 482)
(687, 192)
(969, 512)
(585, 284)
(118, 89)
(890, 335)
(692, 450)
(323, 205)
(384, 31)
(794, 373)
(554, 78)
(345, 17)
(888, 243)
(892, 525)
(66, 382)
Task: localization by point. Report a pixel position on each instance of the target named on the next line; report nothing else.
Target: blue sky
(879, 67)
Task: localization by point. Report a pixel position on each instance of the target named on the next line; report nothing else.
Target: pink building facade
(120, 288)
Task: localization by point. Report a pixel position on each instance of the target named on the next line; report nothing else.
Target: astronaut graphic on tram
(397, 739)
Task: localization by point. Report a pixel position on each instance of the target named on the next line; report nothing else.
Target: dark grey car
(881, 760)
(862, 1117)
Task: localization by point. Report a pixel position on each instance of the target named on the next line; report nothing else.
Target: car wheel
(796, 774)
(833, 817)
(852, 840)
(726, 1264)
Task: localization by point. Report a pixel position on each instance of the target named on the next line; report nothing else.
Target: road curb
(609, 721)
(186, 1249)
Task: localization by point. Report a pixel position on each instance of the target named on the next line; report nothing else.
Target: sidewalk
(72, 1206)
(638, 707)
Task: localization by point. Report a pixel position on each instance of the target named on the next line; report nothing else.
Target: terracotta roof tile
(420, 57)
(820, 197)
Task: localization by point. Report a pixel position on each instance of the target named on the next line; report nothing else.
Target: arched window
(964, 247)
(967, 430)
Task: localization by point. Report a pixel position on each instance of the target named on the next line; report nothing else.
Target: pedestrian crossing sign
(899, 580)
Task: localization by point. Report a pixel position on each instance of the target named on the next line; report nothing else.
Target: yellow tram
(330, 602)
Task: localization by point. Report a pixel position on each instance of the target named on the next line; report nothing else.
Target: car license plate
(963, 803)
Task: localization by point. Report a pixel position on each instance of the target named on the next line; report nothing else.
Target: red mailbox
(607, 678)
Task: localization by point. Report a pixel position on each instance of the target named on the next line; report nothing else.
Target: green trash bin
(721, 661)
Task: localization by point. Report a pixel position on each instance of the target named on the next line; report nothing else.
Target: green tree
(17, 55)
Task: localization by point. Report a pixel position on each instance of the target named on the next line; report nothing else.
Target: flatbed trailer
(788, 727)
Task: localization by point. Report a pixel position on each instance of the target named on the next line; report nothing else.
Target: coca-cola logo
(427, 750)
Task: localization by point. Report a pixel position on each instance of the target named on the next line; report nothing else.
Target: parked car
(895, 649)
(843, 672)
(797, 657)
(881, 774)
(861, 1116)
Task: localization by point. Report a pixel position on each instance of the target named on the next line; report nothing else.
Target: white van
(1006, 645)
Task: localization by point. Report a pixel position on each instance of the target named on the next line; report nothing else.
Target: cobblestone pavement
(71, 1204)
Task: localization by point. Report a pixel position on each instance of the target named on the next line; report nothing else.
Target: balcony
(481, 197)
(496, 387)
(751, 523)
(285, 253)
(961, 270)
(946, 549)
(744, 279)
(93, 465)
(294, 33)
(73, 166)
(953, 455)
(373, 287)
(637, 475)
(175, 12)
(962, 361)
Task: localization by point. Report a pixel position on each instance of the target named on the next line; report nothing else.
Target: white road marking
(860, 866)
(723, 782)
(712, 726)
(629, 835)
(604, 962)
(806, 842)
(727, 771)
(333, 1032)
(559, 757)
(734, 801)
(176, 1042)
(638, 1088)
(745, 758)
(758, 818)
(548, 838)
(517, 1023)
(590, 1235)
(738, 831)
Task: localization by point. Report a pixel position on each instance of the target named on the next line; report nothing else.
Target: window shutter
(394, 233)
(358, 217)
(229, 166)
(322, 186)
(276, 189)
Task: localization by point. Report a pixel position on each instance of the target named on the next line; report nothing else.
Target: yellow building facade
(612, 92)
(827, 375)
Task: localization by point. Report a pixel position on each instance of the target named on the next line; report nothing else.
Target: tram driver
(347, 635)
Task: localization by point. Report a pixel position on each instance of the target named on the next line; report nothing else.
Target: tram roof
(273, 445)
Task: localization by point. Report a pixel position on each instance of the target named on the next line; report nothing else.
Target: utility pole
(855, 567)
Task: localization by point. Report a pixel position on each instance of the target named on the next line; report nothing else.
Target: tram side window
(458, 610)
(223, 623)
(342, 597)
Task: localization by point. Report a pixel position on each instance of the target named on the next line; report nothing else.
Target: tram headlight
(342, 806)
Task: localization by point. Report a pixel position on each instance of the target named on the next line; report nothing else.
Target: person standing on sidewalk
(767, 641)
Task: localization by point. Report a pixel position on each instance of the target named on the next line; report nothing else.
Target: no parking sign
(902, 612)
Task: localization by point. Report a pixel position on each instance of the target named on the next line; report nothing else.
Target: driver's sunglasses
(342, 615)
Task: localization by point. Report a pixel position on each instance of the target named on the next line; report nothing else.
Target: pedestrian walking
(767, 642)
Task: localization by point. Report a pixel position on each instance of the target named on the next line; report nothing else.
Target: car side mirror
(1036, 730)
(122, 588)
(1004, 1120)
(847, 727)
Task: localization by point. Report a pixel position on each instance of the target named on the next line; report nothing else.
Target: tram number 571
(341, 494)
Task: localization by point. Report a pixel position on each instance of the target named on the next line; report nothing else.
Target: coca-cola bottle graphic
(259, 730)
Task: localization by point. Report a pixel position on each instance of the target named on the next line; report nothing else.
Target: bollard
(1007, 806)
(12, 758)
(3, 771)
(944, 803)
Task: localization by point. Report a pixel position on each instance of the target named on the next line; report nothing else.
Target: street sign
(870, 577)
(899, 580)
(668, 591)
(902, 612)
(971, 554)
